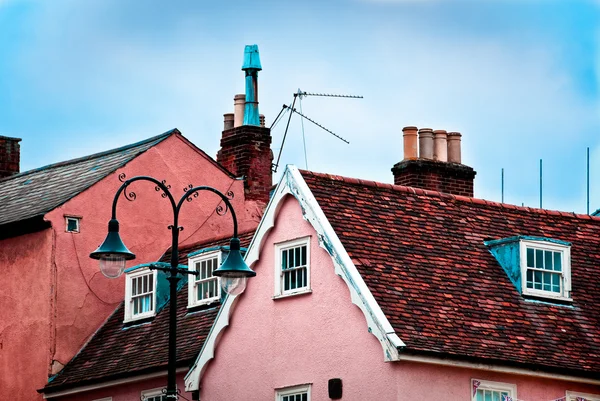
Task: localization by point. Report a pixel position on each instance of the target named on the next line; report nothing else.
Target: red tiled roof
(117, 350)
(422, 255)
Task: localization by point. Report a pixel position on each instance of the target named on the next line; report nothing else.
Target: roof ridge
(94, 155)
(427, 192)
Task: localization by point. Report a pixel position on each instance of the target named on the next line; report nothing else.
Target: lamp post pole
(113, 255)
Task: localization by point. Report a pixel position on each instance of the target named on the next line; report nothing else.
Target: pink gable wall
(314, 337)
(58, 306)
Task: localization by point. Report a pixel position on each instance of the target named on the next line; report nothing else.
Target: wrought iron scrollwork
(194, 195)
(158, 189)
(129, 195)
(230, 195)
(122, 177)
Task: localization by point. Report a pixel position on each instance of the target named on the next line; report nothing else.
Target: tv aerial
(292, 110)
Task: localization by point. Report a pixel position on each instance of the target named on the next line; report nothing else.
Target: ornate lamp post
(113, 255)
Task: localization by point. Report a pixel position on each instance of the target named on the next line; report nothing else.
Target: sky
(520, 79)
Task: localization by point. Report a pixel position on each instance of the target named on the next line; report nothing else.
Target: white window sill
(205, 302)
(139, 317)
(292, 294)
(547, 295)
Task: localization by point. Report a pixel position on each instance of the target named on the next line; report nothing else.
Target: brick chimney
(246, 147)
(444, 172)
(9, 156)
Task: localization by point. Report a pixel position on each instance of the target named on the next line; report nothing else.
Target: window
(576, 396)
(546, 269)
(296, 393)
(204, 288)
(484, 390)
(156, 394)
(293, 267)
(140, 294)
(72, 224)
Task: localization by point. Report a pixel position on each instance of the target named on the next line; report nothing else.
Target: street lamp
(113, 255)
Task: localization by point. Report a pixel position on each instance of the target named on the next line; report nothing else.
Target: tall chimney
(438, 167)
(454, 147)
(239, 102)
(251, 67)
(440, 145)
(410, 142)
(426, 143)
(10, 155)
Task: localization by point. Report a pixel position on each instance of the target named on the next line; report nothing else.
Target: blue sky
(519, 79)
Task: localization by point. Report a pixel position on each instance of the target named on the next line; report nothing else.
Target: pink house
(373, 291)
(53, 295)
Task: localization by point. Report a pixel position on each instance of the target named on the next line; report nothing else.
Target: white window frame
(494, 386)
(78, 221)
(565, 284)
(572, 396)
(192, 301)
(279, 247)
(155, 392)
(128, 295)
(302, 388)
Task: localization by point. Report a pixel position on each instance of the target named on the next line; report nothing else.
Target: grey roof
(35, 192)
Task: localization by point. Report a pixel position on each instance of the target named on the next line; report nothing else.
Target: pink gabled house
(53, 296)
(372, 291)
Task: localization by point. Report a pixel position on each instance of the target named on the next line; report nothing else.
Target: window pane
(556, 283)
(479, 396)
(530, 258)
(304, 256)
(548, 260)
(539, 259)
(547, 280)
(283, 260)
(557, 261)
(537, 283)
(305, 397)
(487, 395)
(529, 278)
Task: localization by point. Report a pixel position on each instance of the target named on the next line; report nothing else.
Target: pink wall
(68, 314)
(315, 337)
(25, 271)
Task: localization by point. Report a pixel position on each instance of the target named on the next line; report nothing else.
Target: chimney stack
(437, 164)
(246, 143)
(10, 155)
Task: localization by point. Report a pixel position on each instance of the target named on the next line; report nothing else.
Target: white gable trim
(292, 183)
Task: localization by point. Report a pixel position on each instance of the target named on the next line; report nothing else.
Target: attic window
(140, 294)
(72, 224)
(292, 267)
(545, 269)
(204, 288)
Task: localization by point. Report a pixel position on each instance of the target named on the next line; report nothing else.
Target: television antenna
(291, 110)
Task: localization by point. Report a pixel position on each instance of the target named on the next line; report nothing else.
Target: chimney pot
(261, 118)
(228, 119)
(239, 103)
(454, 152)
(410, 142)
(440, 145)
(426, 143)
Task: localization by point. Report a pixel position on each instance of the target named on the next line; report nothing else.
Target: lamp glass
(112, 265)
(233, 285)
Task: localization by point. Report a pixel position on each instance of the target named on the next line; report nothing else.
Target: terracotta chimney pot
(239, 103)
(440, 145)
(228, 121)
(426, 143)
(410, 142)
(454, 153)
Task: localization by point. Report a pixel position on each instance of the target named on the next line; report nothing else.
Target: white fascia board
(292, 183)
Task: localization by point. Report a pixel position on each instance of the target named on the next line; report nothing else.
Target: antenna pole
(588, 180)
(284, 134)
(502, 184)
(541, 183)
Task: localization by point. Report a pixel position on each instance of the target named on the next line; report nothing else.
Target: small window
(204, 288)
(72, 224)
(545, 269)
(577, 396)
(484, 390)
(156, 394)
(295, 393)
(140, 294)
(293, 267)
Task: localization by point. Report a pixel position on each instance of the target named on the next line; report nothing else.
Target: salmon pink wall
(311, 338)
(25, 307)
(68, 300)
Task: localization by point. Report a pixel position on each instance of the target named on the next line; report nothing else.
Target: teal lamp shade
(112, 254)
(234, 272)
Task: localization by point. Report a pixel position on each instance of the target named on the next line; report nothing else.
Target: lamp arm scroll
(159, 184)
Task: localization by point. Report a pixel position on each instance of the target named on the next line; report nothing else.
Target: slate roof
(422, 255)
(35, 192)
(118, 350)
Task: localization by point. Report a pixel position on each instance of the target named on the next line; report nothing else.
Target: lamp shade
(234, 266)
(112, 253)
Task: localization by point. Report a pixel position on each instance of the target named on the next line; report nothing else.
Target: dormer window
(140, 294)
(538, 267)
(204, 288)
